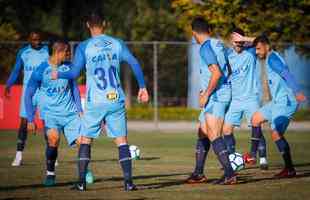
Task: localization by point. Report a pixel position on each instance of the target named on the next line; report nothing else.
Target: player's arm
(14, 74)
(281, 68)
(32, 86)
(127, 56)
(76, 95)
(210, 59)
(77, 65)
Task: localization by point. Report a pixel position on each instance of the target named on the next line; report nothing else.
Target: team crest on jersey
(112, 95)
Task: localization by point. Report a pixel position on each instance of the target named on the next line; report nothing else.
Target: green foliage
(284, 21)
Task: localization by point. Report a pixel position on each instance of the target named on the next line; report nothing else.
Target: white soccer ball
(134, 152)
(236, 161)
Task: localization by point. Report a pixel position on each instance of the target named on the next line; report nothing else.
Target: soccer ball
(236, 161)
(134, 152)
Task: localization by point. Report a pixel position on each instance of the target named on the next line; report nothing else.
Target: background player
(61, 104)
(285, 94)
(105, 100)
(215, 94)
(27, 60)
(245, 95)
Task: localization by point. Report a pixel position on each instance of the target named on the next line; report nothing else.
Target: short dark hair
(200, 25)
(261, 39)
(95, 18)
(239, 31)
(57, 44)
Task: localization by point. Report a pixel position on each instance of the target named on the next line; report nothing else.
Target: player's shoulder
(274, 58)
(38, 72)
(23, 49)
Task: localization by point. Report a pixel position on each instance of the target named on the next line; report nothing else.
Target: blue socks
(284, 149)
(125, 162)
(262, 149)
(256, 136)
(220, 150)
(202, 149)
(84, 158)
(51, 156)
(21, 136)
(230, 143)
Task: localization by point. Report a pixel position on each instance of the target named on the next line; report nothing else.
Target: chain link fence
(170, 70)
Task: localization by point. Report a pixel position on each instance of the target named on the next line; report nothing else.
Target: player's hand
(143, 95)
(203, 99)
(31, 127)
(54, 75)
(300, 97)
(236, 37)
(7, 92)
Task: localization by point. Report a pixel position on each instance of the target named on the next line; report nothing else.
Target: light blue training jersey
(102, 55)
(58, 96)
(244, 77)
(281, 83)
(27, 59)
(212, 51)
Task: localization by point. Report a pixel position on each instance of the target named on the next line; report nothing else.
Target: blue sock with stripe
(284, 149)
(125, 162)
(202, 149)
(230, 143)
(51, 156)
(220, 150)
(262, 149)
(84, 158)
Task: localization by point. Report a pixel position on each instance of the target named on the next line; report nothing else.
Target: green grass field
(167, 159)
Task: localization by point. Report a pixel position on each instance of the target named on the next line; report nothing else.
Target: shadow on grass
(110, 160)
(33, 186)
(247, 178)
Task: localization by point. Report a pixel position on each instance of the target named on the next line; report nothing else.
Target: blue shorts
(215, 108)
(239, 109)
(70, 125)
(35, 101)
(279, 113)
(114, 117)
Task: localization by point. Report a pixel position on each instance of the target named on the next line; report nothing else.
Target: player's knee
(120, 140)
(83, 140)
(53, 137)
(227, 129)
(256, 121)
(202, 132)
(275, 136)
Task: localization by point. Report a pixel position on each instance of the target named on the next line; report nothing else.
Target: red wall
(9, 108)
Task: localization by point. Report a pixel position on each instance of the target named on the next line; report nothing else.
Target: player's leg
(258, 118)
(279, 124)
(229, 138)
(90, 129)
(262, 152)
(51, 154)
(202, 149)
(72, 126)
(21, 141)
(215, 112)
(232, 118)
(251, 108)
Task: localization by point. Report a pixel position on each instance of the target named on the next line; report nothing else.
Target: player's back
(102, 57)
(279, 89)
(56, 95)
(223, 90)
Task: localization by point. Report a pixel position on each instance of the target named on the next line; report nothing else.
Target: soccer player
(27, 60)
(105, 100)
(245, 95)
(285, 96)
(214, 99)
(61, 105)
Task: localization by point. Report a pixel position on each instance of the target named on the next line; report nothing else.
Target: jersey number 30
(102, 82)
